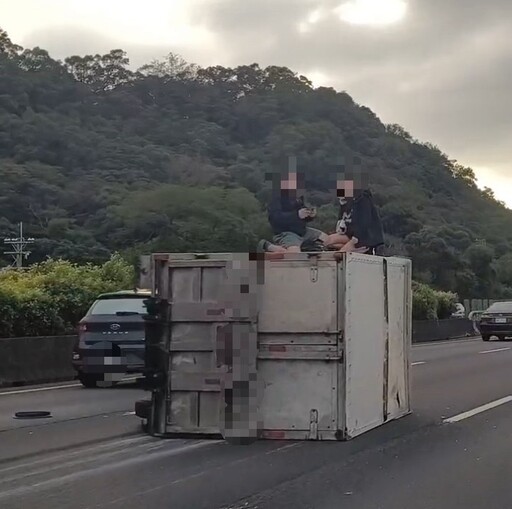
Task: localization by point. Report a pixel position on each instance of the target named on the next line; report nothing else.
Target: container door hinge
(313, 271)
(313, 425)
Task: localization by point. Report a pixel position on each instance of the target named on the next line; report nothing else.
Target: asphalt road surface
(454, 452)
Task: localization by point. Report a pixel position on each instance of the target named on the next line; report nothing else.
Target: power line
(18, 251)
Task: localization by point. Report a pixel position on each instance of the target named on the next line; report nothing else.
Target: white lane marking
(55, 387)
(448, 342)
(478, 410)
(495, 350)
(419, 363)
(40, 389)
(128, 413)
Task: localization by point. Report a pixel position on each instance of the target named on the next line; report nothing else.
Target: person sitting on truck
(359, 227)
(289, 217)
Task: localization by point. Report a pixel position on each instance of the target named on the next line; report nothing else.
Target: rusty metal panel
(184, 410)
(298, 352)
(193, 337)
(192, 361)
(243, 343)
(189, 381)
(146, 271)
(298, 297)
(365, 340)
(399, 314)
(212, 323)
(297, 339)
(209, 410)
(291, 389)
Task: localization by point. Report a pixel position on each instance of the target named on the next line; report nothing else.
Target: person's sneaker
(262, 246)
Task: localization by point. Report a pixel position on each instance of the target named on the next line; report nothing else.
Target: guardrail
(36, 360)
(439, 330)
(48, 359)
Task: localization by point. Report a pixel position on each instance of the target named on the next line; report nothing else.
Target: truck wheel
(88, 381)
(486, 337)
(143, 408)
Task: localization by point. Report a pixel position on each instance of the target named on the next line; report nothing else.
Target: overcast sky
(440, 68)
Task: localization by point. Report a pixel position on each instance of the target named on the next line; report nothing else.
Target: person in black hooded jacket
(359, 225)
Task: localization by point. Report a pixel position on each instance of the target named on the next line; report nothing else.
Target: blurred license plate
(500, 320)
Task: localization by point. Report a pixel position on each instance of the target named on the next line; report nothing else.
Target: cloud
(444, 72)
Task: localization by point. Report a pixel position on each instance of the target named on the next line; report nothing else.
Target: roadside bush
(50, 298)
(445, 304)
(424, 302)
(430, 304)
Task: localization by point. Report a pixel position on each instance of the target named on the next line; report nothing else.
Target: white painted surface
(290, 302)
(398, 284)
(478, 410)
(495, 350)
(39, 389)
(365, 337)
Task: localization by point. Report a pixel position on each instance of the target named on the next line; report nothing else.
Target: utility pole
(18, 245)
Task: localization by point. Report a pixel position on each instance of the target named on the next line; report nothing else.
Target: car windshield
(500, 307)
(120, 305)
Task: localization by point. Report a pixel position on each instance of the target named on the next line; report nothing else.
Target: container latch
(313, 425)
(313, 271)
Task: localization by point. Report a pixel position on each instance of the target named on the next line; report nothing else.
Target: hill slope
(96, 158)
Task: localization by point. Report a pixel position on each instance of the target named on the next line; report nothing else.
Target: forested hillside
(97, 158)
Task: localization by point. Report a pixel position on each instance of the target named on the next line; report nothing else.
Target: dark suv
(111, 339)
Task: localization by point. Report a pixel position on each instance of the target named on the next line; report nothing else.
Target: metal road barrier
(48, 359)
(36, 360)
(439, 330)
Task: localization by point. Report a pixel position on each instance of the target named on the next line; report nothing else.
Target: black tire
(486, 337)
(501, 338)
(88, 381)
(143, 408)
(38, 414)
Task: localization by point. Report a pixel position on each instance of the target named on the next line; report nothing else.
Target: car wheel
(88, 381)
(485, 337)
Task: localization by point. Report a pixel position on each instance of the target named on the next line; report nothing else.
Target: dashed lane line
(478, 410)
(495, 350)
(54, 387)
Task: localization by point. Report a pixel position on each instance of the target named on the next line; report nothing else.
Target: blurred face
(345, 188)
(289, 182)
(293, 184)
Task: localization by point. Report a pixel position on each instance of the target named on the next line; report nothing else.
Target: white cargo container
(296, 346)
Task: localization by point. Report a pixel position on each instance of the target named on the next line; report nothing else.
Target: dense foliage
(97, 158)
(429, 304)
(51, 297)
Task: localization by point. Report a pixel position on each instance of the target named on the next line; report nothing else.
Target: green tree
(102, 73)
(84, 144)
(480, 259)
(7, 47)
(173, 66)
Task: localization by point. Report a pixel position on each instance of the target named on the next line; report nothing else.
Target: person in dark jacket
(359, 227)
(289, 216)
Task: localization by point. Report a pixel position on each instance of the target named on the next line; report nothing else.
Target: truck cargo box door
(364, 342)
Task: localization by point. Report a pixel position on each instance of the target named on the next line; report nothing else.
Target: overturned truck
(305, 346)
